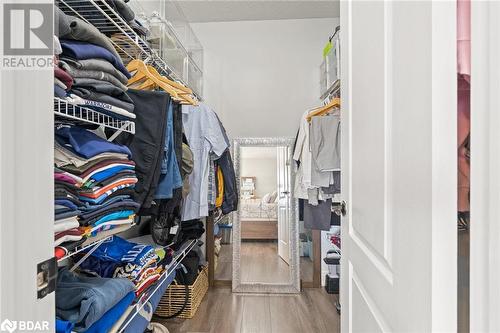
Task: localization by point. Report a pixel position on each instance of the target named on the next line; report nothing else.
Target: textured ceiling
(240, 10)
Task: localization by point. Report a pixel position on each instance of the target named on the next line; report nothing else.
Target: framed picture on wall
(248, 187)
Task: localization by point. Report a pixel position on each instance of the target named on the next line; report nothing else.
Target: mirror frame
(258, 287)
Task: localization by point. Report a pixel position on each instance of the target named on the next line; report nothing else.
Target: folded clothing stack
(89, 59)
(140, 263)
(63, 81)
(94, 182)
(128, 15)
(91, 304)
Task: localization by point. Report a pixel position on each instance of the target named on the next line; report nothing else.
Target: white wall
(261, 76)
(265, 171)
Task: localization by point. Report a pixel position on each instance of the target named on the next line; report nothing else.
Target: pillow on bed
(266, 197)
(273, 197)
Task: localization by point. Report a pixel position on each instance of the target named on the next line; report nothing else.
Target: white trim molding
(485, 167)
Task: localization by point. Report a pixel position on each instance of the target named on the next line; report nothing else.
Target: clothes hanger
(153, 79)
(174, 84)
(140, 69)
(182, 91)
(139, 75)
(334, 103)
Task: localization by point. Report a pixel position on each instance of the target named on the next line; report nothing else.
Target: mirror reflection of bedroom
(260, 184)
(265, 248)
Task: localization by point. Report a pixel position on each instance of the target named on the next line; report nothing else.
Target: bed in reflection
(259, 217)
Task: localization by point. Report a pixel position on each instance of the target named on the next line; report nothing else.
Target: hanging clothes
(325, 142)
(204, 135)
(170, 178)
(147, 145)
(219, 180)
(230, 194)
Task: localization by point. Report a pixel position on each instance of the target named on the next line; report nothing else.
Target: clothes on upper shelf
(84, 300)
(91, 178)
(74, 28)
(81, 50)
(89, 71)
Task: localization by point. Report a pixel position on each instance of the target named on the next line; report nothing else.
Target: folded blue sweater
(84, 300)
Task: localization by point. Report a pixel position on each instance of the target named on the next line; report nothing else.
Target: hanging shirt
(307, 176)
(325, 142)
(204, 135)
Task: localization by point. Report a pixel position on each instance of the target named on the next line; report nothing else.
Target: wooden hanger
(140, 68)
(174, 84)
(334, 103)
(153, 79)
(182, 91)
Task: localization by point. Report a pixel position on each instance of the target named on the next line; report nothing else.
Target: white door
(283, 168)
(399, 166)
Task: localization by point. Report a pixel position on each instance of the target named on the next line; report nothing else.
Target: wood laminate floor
(224, 312)
(260, 262)
(463, 281)
(224, 269)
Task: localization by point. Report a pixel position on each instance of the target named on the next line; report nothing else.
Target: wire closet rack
(127, 42)
(67, 110)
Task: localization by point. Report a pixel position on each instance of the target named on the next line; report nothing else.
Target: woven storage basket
(173, 299)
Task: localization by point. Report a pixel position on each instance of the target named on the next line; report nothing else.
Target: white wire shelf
(334, 89)
(92, 246)
(101, 15)
(83, 248)
(65, 109)
(176, 260)
(127, 42)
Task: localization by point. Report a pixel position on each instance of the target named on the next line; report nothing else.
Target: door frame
(27, 146)
(485, 166)
(283, 175)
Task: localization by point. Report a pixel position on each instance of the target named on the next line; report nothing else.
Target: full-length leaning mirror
(265, 227)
